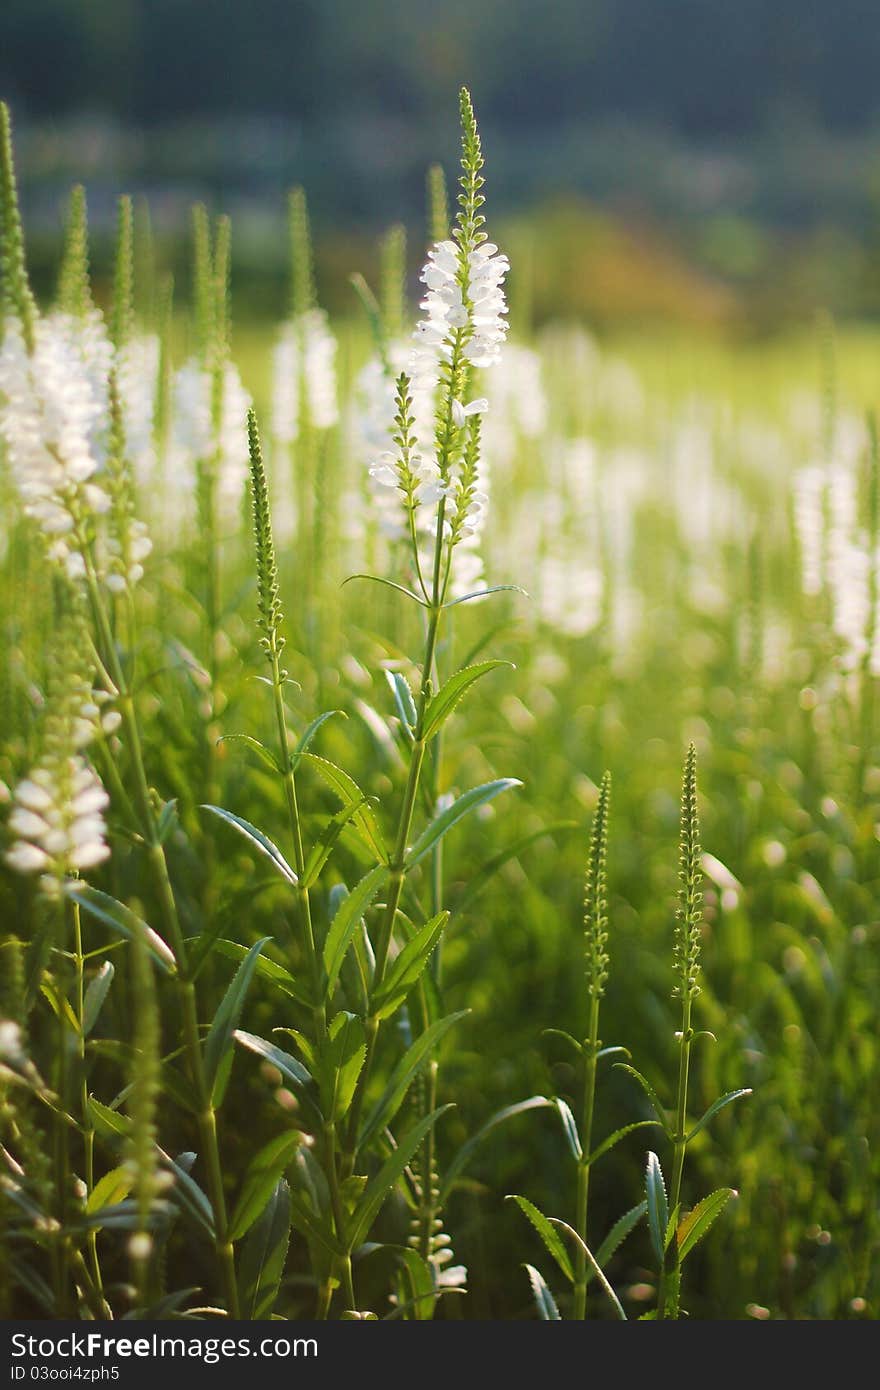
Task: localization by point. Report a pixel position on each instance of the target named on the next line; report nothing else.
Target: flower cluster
(464, 295)
(58, 809)
(54, 420)
(304, 376)
(194, 438)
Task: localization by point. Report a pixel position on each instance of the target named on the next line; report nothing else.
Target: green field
(248, 1053)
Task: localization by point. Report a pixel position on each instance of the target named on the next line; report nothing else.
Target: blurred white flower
(304, 359)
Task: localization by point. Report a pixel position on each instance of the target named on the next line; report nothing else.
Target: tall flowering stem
(596, 954)
(463, 328)
(686, 962)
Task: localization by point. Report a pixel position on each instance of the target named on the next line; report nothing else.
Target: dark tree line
(695, 66)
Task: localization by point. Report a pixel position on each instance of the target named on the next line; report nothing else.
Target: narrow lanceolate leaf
(477, 882)
(121, 919)
(461, 1160)
(314, 1227)
(323, 847)
(267, 970)
(95, 996)
(648, 1090)
(109, 1123)
(378, 1189)
(348, 791)
(714, 1108)
(340, 1063)
(219, 1042)
(407, 966)
(345, 922)
(618, 1234)
(264, 1254)
(292, 1070)
(444, 702)
(258, 839)
(403, 699)
(111, 1189)
(401, 1078)
(550, 1237)
(544, 1300)
(593, 1264)
(312, 729)
(470, 801)
(658, 1206)
(570, 1129)
(186, 1193)
(263, 753)
(261, 1179)
(616, 1137)
(697, 1222)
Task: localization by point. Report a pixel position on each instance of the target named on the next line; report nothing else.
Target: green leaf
(389, 584)
(121, 919)
(377, 1190)
(312, 729)
(477, 882)
(167, 820)
(470, 801)
(484, 593)
(111, 1189)
(470, 1146)
(549, 1236)
(570, 1128)
(618, 1234)
(697, 1222)
(616, 1137)
(573, 1043)
(406, 708)
(219, 1041)
(401, 1078)
(110, 1124)
(658, 1206)
(261, 1179)
(420, 1280)
(323, 846)
(649, 1092)
(714, 1108)
(95, 996)
(345, 922)
(263, 753)
(544, 1300)
(315, 1227)
(407, 966)
(267, 969)
(348, 791)
(340, 1063)
(258, 839)
(593, 1264)
(186, 1193)
(444, 702)
(264, 1254)
(290, 1068)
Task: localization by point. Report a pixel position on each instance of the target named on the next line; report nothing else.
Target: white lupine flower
(54, 419)
(58, 818)
(193, 438)
(305, 354)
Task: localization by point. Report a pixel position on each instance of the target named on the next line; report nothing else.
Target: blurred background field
(694, 163)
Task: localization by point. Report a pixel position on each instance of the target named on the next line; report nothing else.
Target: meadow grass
(301, 978)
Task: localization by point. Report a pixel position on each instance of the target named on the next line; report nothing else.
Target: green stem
(159, 867)
(88, 1129)
(583, 1177)
(670, 1280)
